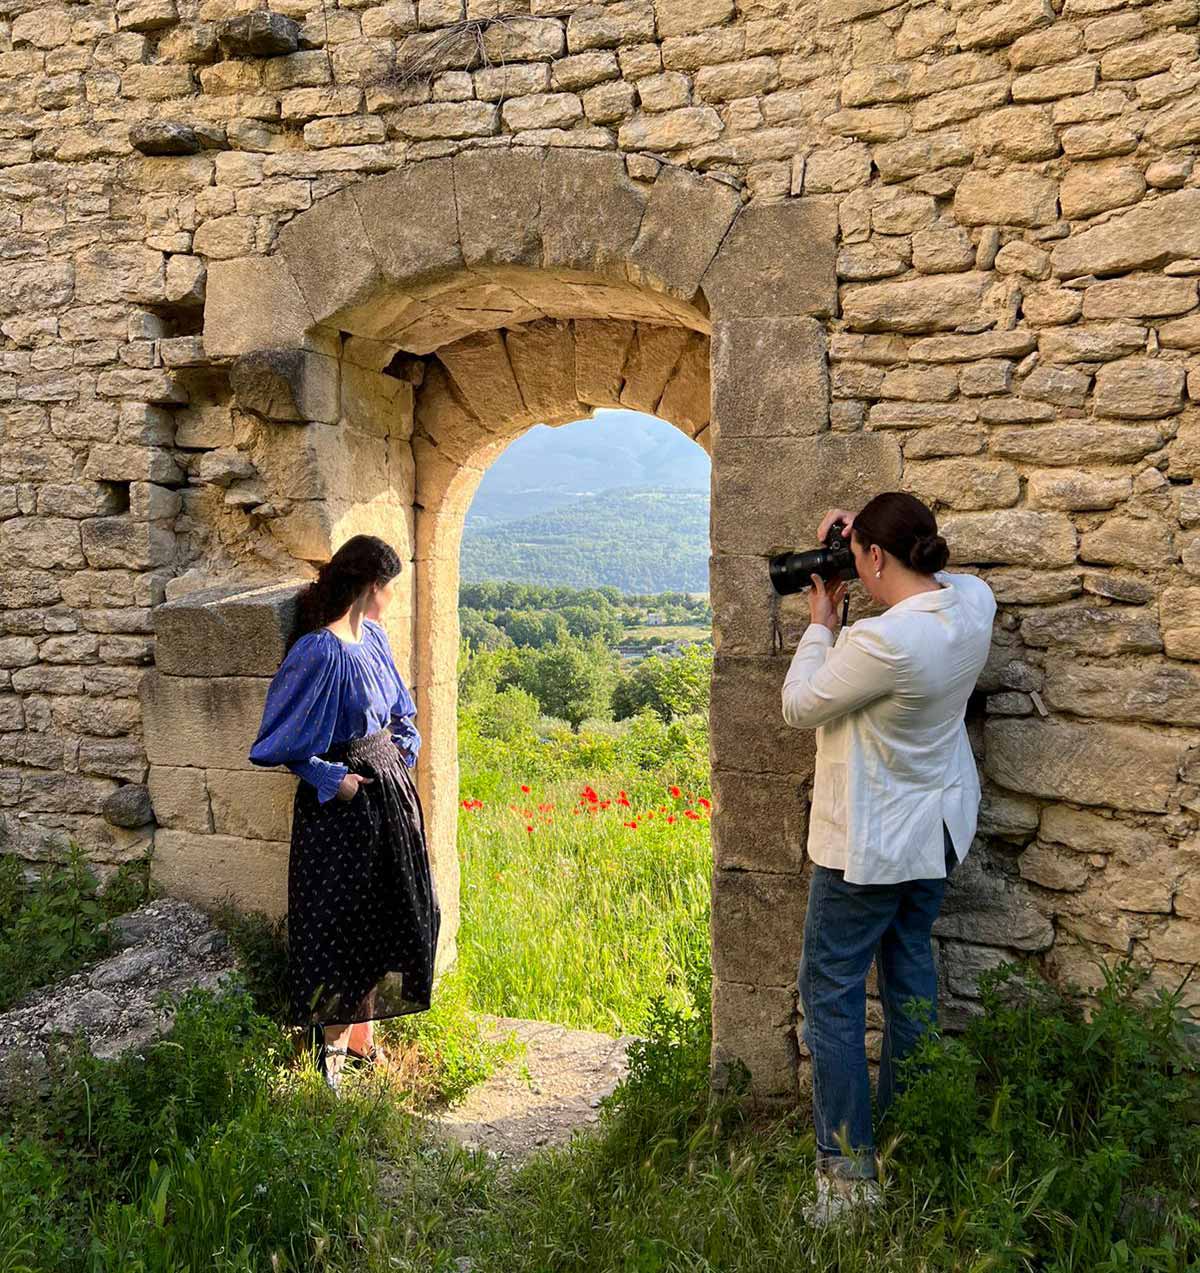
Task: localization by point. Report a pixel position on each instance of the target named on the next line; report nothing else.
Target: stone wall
(1007, 195)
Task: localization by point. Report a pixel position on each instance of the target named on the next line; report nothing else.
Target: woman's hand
(350, 784)
(824, 604)
(834, 515)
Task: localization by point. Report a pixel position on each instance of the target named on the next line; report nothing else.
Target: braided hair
(905, 527)
(360, 562)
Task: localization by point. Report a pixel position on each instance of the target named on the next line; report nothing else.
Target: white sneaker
(841, 1198)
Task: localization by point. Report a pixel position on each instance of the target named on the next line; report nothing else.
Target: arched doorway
(404, 330)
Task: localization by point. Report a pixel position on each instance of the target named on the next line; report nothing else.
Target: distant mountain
(637, 541)
(549, 468)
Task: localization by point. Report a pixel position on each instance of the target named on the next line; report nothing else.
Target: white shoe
(841, 1198)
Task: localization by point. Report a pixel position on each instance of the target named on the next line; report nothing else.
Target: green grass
(583, 911)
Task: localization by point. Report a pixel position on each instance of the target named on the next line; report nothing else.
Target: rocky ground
(165, 946)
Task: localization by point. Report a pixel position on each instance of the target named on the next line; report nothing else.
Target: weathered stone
(259, 34)
(1018, 537)
(1142, 389)
(897, 161)
(942, 249)
(1099, 342)
(1139, 297)
(777, 260)
(964, 484)
(803, 473)
(671, 130)
(1015, 198)
(983, 905)
(1182, 333)
(292, 385)
(1151, 235)
(685, 221)
(1057, 81)
(205, 722)
(743, 950)
(1094, 630)
(761, 822)
(1092, 833)
(257, 806)
(180, 798)
(1076, 491)
(1053, 869)
(1003, 344)
(163, 137)
(1001, 23)
(212, 869)
(1163, 693)
(1083, 762)
(753, 1030)
(1020, 132)
(916, 305)
(590, 212)
(129, 806)
(769, 377)
(253, 304)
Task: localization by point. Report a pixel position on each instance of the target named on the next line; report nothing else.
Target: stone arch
(407, 327)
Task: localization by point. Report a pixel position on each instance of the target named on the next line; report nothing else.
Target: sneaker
(841, 1198)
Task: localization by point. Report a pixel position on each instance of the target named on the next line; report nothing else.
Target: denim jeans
(848, 926)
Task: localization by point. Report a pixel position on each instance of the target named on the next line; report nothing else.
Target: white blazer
(893, 761)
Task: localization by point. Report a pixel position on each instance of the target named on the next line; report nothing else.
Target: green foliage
(50, 929)
(1059, 1139)
(670, 687)
(571, 682)
(260, 945)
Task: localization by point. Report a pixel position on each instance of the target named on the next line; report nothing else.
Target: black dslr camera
(791, 572)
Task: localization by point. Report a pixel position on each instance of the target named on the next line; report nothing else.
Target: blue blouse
(329, 691)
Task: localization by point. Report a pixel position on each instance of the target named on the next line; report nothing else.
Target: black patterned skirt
(363, 913)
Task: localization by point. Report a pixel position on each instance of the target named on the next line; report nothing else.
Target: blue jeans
(848, 926)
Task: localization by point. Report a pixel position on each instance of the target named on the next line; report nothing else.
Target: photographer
(895, 806)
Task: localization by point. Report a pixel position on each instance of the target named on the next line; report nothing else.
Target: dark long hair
(360, 562)
(903, 526)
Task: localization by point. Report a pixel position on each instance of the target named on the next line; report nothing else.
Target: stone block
(1093, 833)
(655, 353)
(590, 212)
(686, 401)
(748, 729)
(330, 255)
(668, 131)
(913, 156)
(760, 823)
(1017, 536)
(917, 305)
(1153, 234)
(411, 221)
(1085, 763)
(754, 1027)
(610, 26)
(180, 798)
(483, 374)
(984, 906)
(1065, 445)
(253, 303)
(1159, 693)
(293, 385)
(122, 543)
(964, 483)
(601, 348)
(1074, 490)
(758, 923)
(1012, 198)
(770, 378)
(1141, 542)
(1094, 630)
(942, 250)
(253, 805)
(776, 261)
(209, 870)
(686, 219)
(498, 196)
(998, 24)
(543, 360)
(226, 631)
(995, 344)
(1139, 389)
(1088, 189)
(1144, 296)
(259, 33)
(769, 496)
(202, 722)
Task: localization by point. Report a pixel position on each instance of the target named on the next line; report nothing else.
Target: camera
(791, 572)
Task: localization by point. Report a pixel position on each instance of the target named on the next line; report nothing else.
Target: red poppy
(622, 799)
(545, 808)
(675, 793)
(631, 825)
(704, 804)
(590, 796)
(524, 788)
(670, 818)
(529, 829)
(691, 813)
(605, 803)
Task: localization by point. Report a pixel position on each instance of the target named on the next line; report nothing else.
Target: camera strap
(776, 629)
(846, 608)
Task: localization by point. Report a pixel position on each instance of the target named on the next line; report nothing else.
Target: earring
(877, 574)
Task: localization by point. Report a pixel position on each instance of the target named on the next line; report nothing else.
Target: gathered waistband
(375, 749)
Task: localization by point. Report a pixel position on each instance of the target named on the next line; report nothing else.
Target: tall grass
(584, 908)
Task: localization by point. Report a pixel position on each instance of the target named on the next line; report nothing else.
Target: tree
(672, 687)
(572, 682)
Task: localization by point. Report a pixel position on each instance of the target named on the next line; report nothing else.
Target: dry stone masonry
(273, 275)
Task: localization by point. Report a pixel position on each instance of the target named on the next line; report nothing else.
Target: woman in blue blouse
(363, 915)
